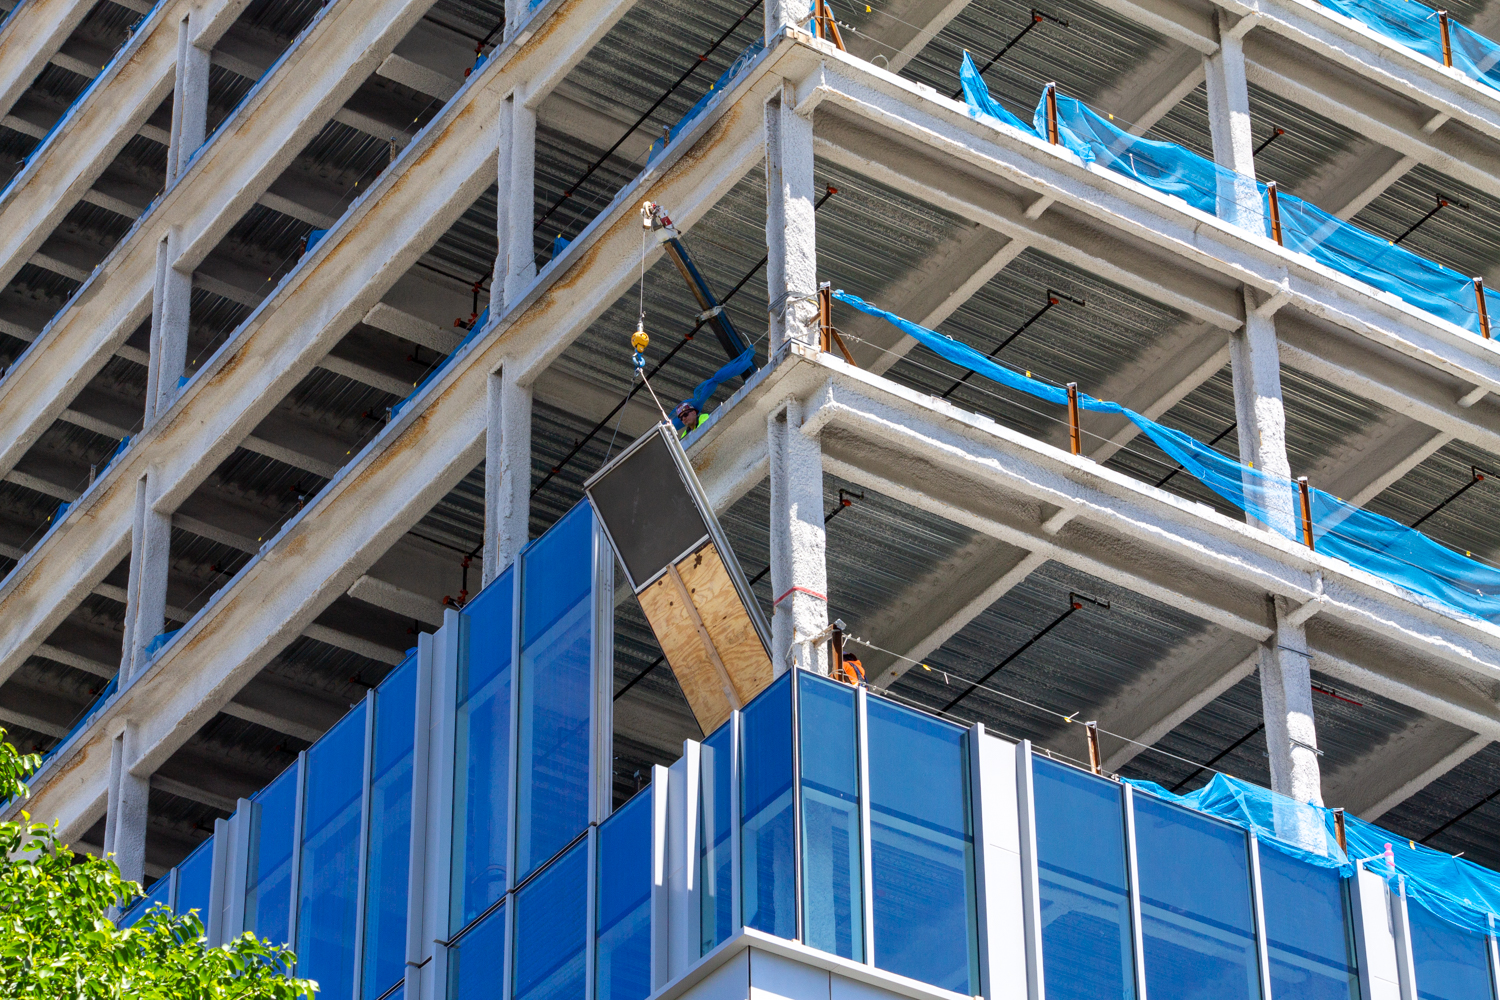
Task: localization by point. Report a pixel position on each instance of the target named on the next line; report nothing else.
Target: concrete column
(1229, 126)
(515, 175)
(146, 593)
(1286, 700)
(507, 473)
(781, 14)
(1255, 362)
(189, 100)
(791, 237)
(125, 819)
(170, 309)
(799, 570)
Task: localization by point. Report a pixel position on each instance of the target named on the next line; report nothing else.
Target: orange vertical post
(1051, 94)
(1075, 437)
(1274, 204)
(1483, 307)
(1307, 520)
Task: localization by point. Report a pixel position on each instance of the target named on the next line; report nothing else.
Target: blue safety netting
(1367, 541)
(1416, 26)
(741, 365)
(1172, 170)
(1453, 889)
(715, 91)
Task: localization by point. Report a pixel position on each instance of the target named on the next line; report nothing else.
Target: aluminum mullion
(299, 817)
(737, 919)
(591, 896)
(513, 738)
(601, 728)
(363, 876)
(1137, 937)
(1030, 877)
(798, 827)
(866, 845)
(1257, 900)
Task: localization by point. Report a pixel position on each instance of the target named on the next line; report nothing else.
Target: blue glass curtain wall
(1309, 930)
(768, 861)
(555, 690)
(922, 848)
(481, 772)
(328, 880)
(552, 931)
(388, 864)
(622, 927)
(832, 869)
(268, 889)
(1450, 964)
(1088, 939)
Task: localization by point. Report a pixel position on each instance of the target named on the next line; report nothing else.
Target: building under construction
(1076, 572)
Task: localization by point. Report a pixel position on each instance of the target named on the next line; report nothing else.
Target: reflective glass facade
(824, 815)
(1088, 944)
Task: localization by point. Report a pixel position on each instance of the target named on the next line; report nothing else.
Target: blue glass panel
(552, 564)
(1087, 945)
(554, 691)
(195, 876)
(1451, 964)
(833, 905)
(1196, 917)
(268, 883)
(715, 846)
(328, 882)
(390, 831)
(1308, 931)
(622, 964)
(156, 894)
(922, 848)
(481, 773)
(552, 929)
(475, 963)
(767, 866)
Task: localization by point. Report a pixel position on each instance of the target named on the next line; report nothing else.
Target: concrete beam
(31, 37)
(436, 440)
(238, 165)
(1401, 766)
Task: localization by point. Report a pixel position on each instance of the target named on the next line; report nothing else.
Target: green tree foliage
(58, 943)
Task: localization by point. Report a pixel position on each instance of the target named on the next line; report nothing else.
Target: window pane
(268, 890)
(475, 962)
(1196, 917)
(554, 716)
(1307, 930)
(766, 828)
(715, 871)
(1087, 949)
(328, 882)
(195, 880)
(831, 866)
(1451, 964)
(390, 831)
(552, 928)
(482, 747)
(156, 894)
(623, 961)
(922, 848)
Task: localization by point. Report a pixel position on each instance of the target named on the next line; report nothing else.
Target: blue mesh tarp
(741, 365)
(977, 96)
(1453, 889)
(1367, 541)
(1172, 170)
(1415, 26)
(715, 91)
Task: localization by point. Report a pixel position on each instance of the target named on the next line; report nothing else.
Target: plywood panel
(728, 622)
(715, 602)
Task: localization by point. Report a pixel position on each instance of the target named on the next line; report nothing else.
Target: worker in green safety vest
(688, 418)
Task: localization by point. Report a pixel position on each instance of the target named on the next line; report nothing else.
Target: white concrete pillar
(507, 473)
(799, 570)
(781, 14)
(170, 309)
(1260, 413)
(515, 176)
(1229, 127)
(791, 236)
(189, 100)
(1286, 700)
(125, 818)
(146, 593)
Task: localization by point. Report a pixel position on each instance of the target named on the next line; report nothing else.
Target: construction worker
(854, 671)
(688, 418)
